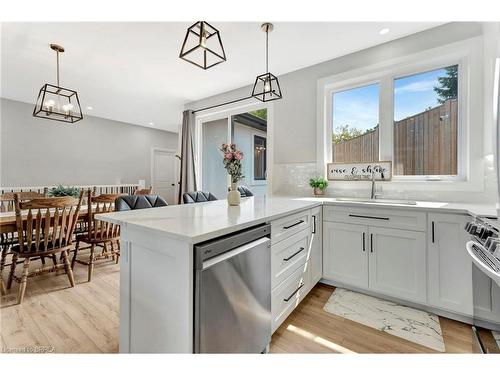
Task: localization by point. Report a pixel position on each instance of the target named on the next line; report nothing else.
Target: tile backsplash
(293, 179)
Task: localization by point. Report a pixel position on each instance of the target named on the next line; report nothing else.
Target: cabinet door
(345, 253)
(397, 263)
(449, 265)
(316, 255)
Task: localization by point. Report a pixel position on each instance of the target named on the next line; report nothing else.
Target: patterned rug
(407, 323)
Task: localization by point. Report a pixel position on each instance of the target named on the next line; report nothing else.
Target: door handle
(371, 242)
(364, 249)
(294, 293)
(293, 225)
(294, 254)
(432, 231)
(314, 224)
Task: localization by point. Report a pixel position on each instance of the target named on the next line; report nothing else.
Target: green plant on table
(64, 191)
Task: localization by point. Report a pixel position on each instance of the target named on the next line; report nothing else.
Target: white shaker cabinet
(449, 265)
(344, 253)
(316, 253)
(397, 263)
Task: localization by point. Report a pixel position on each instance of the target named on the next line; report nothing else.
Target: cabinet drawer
(289, 225)
(288, 295)
(391, 218)
(289, 254)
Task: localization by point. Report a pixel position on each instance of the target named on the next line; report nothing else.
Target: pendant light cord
(57, 64)
(267, 49)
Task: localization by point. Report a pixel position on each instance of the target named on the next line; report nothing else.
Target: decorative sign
(381, 170)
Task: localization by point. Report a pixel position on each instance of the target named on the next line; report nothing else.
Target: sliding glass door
(248, 131)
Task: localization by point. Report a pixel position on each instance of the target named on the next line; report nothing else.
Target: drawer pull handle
(291, 226)
(371, 242)
(294, 293)
(364, 249)
(433, 232)
(291, 256)
(314, 224)
(369, 217)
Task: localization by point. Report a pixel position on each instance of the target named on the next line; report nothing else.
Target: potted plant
(64, 191)
(232, 162)
(319, 185)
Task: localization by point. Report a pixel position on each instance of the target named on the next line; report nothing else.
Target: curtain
(187, 181)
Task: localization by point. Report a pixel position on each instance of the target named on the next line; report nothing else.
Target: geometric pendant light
(266, 86)
(58, 103)
(202, 46)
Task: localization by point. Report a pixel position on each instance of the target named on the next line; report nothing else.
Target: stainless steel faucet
(372, 194)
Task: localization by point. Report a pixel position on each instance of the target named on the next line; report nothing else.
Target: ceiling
(131, 72)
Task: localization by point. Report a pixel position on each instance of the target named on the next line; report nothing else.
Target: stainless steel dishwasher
(232, 306)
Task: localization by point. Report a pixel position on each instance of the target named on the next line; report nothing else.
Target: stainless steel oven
(232, 302)
(484, 249)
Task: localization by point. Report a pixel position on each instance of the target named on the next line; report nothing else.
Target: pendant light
(203, 46)
(266, 86)
(58, 103)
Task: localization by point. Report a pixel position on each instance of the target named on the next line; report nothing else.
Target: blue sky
(359, 107)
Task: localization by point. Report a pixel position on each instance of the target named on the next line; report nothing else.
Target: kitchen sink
(377, 200)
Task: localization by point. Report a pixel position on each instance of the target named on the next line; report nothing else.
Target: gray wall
(38, 152)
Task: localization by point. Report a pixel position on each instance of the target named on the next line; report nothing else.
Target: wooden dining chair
(46, 230)
(99, 233)
(7, 240)
(146, 191)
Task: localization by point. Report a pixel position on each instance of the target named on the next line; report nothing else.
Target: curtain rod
(220, 105)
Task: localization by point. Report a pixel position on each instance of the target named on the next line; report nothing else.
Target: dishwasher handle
(232, 253)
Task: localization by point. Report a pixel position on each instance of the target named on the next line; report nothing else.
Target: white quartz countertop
(199, 222)
(473, 209)
(203, 221)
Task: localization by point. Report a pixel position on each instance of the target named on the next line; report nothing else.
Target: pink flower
(238, 155)
(228, 156)
(233, 146)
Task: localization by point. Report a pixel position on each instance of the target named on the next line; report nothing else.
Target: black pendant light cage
(58, 103)
(203, 46)
(267, 87)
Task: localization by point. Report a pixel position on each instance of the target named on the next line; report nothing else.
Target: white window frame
(226, 113)
(467, 55)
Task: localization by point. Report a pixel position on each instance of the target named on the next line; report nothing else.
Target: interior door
(344, 253)
(397, 265)
(164, 174)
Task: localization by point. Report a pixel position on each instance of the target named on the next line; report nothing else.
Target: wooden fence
(424, 144)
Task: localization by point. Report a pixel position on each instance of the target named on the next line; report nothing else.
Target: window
(426, 123)
(259, 158)
(356, 124)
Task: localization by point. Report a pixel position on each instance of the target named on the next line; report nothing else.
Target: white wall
(38, 152)
(295, 115)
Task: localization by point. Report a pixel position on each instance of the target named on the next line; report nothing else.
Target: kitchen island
(157, 263)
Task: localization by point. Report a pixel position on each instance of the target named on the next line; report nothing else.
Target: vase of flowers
(319, 185)
(232, 163)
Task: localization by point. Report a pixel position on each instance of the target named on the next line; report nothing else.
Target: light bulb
(49, 105)
(267, 86)
(67, 108)
(203, 42)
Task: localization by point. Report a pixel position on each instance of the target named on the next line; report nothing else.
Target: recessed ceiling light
(90, 108)
(151, 123)
(384, 31)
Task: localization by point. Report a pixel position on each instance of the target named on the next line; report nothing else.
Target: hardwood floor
(85, 319)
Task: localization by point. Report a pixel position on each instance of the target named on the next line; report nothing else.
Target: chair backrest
(7, 199)
(244, 191)
(101, 204)
(146, 191)
(137, 202)
(198, 196)
(50, 222)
